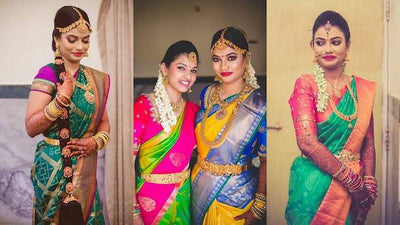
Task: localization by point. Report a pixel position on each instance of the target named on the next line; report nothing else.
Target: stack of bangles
(57, 107)
(136, 210)
(352, 181)
(101, 138)
(372, 187)
(259, 207)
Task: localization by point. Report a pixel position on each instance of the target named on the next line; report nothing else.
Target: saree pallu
(314, 197)
(163, 153)
(47, 175)
(218, 199)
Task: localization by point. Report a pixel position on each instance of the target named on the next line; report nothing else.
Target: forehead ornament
(222, 43)
(81, 24)
(192, 57)
(328, 27)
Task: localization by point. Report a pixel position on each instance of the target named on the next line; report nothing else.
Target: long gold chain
(335, 86)
(347, 118)
(229, 123)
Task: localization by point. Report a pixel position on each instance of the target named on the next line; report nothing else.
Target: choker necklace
(176, 106)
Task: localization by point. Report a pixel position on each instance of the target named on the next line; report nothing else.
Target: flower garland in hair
(167, 117)
(323, 95)
(251, 79)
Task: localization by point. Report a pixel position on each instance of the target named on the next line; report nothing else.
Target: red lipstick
(225, 74)
(329, 57)
(78, 54)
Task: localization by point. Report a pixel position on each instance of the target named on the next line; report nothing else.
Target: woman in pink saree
(164, 139)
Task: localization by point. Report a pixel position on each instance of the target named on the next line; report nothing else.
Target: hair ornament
(81, 24)
(222, 43)
(192, 57)
(328, 27)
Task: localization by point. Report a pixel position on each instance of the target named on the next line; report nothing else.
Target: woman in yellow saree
(231, 131)
(333, 183)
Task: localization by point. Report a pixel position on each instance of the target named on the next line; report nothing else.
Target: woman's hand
(67, 87)
(82, 147)
(137, 220)
(248, 218)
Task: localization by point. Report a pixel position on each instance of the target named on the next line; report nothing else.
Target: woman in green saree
(67, 105)
(333, 182)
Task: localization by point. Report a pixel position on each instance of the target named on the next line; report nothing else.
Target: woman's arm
(35, 120)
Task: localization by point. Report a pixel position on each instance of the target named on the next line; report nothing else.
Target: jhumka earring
(217, 78)
(190, 90)
(86, 54)
(57, 55)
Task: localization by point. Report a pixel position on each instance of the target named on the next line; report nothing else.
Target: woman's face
(330, 48)
(228, 64)
(73, 45)
(181, 73)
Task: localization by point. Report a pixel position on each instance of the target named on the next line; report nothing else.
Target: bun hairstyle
(335, 19)
(178, 48)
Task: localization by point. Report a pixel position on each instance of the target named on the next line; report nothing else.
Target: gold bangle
(61, 102)
(98, 142)
(46, 114)
(65, 96)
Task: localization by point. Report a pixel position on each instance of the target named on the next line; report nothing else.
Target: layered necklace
(221, 114)
(348, 118)
(88, 88)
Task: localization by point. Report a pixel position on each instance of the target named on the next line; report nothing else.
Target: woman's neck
(333, 74)
(173, 95)
(231, 88)
(71, 67)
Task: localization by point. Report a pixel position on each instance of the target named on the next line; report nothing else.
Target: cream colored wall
(159, 23)
(25, 40)
(289, 25)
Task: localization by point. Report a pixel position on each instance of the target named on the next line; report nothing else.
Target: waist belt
(168, 178)
(221, 169)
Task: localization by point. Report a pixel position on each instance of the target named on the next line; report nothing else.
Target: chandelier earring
(57, 55)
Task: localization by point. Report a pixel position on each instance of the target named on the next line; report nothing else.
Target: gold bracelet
(61, 102)
(46, 114)
(98, 141)
(65, 96)
(104, 137)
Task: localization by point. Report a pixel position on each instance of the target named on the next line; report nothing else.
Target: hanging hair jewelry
(81, 24)
(163, 107)
(222, 43)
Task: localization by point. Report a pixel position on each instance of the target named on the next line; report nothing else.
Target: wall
(160, 23)
(289, 25)
(25, 42)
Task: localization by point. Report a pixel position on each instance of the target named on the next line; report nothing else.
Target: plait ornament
(222, 43)
(81, 24)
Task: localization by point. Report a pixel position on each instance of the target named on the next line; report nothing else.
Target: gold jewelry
(176, 106)
(102, 138)
(51, 111)
(222, 43)
(169, 178)
(81, 24)
(348, 118)
(58, 100)
(220, 169)
(335, 86)
(238, 101)
(86, 54)
(57, 55)
(89, 96)
(192, 57)
(64, 96)
(217, 78)
(190, 90)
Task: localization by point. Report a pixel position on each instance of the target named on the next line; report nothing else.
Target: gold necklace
(89, 96)
(229, 123)
(176, 106)
(347, 118)
(335, 86)
(216, 99)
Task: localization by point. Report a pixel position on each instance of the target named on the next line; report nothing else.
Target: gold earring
(165, 79)
(86, 54)
(217, 78)
(190, 90)
(57, 55)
